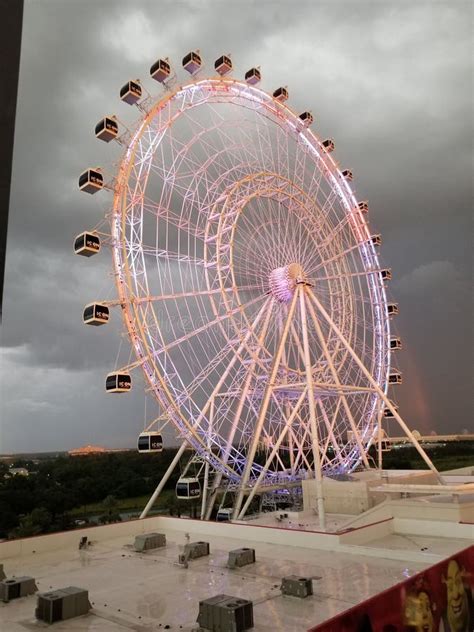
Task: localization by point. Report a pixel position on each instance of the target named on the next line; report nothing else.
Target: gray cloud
(391, 84)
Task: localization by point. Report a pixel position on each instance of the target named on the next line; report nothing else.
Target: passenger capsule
(107, 129)
(91, 181)
(392, 309)
(223, 65)
(131, 92)
(347, 175)
(118, 382)
(253, 76)
(395, 377)
(306, 118)
(328, 145)
(395, 343)
(376, 240)
(281, 94)
(224, 514)
(187, 488)
(87, 244)
(161, 70)
(386, 274)
(150, 442)
(387, 412)
(96, 314)
(363, 206)
(192, 62)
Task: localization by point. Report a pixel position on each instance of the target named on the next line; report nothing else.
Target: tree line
(50, 498)
(42, 501)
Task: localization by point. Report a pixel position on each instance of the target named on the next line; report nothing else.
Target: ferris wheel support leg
(240, 405)
(379, 442)
(206, 467)
(336, 378)
(211, 498)
(264, 408)
(164, 480)
(204, 491)
(312, 412)
(287, 406)
(329, 427)
(376, 387)
(269, 460)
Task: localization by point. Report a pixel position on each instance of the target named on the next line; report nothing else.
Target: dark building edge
(11, 24)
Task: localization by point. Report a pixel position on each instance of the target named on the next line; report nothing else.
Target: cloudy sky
(391, 82)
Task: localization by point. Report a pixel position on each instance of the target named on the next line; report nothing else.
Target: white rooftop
(148, 591)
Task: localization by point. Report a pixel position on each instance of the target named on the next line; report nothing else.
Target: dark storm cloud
(391, 83)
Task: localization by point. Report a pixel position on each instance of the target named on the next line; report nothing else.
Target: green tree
(110, 505)
(34, 523)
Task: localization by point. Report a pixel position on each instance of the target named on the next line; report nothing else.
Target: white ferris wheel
(249, 284)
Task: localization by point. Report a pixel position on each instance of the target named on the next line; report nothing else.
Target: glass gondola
(386, 274)
(160, 70)
(253, 76)
(118, 382)
(328, 145)
(347, 175)
(187, 488)
(107, 129)
(96, 314)
(192, 62)
(91, 181)
(306, 118)
(223, 65)
(395, 343)
(224, 515)
(281, 94)
(392, 309)
(387, 412)
(87, 244)
(363, 206)
(131, 92)
(150, 442)
(395, 378)
(376, 240)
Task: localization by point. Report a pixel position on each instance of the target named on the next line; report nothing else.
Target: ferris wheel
(248, 280)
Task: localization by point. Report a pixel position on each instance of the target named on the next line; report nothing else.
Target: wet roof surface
(148, 591)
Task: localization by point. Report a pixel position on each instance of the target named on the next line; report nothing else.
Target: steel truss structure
(251, 290)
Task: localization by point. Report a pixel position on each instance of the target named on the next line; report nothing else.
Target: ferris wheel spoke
(183, 339)
(340, 255)
(171, 256)
(191, 294)
(166, 214)
(249, 333)
(363, 273)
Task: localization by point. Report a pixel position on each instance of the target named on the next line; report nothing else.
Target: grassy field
(124, 505)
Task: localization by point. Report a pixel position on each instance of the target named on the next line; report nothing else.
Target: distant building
(87, 449)
(94, 449)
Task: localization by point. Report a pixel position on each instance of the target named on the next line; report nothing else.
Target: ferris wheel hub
(283, 281)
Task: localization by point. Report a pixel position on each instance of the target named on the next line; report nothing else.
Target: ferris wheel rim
(130, 313)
